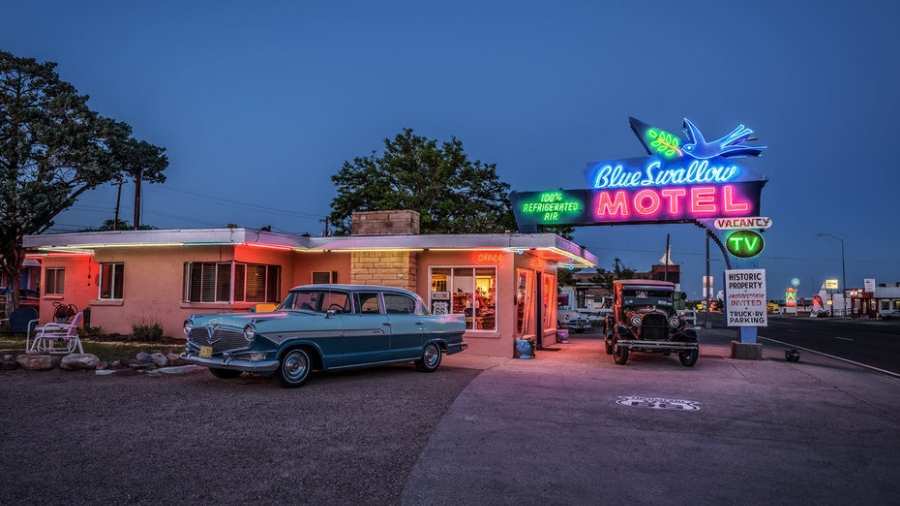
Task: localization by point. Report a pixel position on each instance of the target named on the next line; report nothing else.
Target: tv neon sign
(744, 243)
(681, 180)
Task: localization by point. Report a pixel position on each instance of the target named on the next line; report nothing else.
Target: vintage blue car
(324, 327)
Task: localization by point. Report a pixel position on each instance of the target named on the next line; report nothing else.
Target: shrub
(147, 330)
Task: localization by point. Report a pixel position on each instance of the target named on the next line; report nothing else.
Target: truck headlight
(674, 322)
(188, 327)
(636, 321)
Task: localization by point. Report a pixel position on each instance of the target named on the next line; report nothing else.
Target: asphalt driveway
(569, 427)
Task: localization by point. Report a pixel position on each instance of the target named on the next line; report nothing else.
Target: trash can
(87, 317)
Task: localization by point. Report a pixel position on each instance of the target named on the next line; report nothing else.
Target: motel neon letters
(674, 185)
(670, 203)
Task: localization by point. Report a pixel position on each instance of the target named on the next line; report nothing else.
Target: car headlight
(249, 332)
(636, 321)
(188, 327)
(674, 322)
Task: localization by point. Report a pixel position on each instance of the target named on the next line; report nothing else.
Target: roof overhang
(550, 247)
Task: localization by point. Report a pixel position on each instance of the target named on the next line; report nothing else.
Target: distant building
(666, 270)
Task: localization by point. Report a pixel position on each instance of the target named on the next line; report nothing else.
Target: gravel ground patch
(128, 438)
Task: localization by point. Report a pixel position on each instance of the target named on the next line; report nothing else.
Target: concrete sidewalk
(571, 427)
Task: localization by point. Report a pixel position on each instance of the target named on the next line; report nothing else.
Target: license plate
(206, 352)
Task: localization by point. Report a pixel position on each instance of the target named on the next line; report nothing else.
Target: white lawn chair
(51, 336)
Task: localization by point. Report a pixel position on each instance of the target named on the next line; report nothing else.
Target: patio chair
(52, 334)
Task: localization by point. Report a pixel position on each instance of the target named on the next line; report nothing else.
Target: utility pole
(326, 227)
(118, 202)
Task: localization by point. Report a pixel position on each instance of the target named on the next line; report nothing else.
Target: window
(367, 303)
(55, 281)
(468, 290)
(524, 302)
(324, 278)
(549, 302)
(399, 304)
(231, 282)
(112, 277)
(318, 301)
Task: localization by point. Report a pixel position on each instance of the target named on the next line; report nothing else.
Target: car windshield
(317, 300)
(647, 296)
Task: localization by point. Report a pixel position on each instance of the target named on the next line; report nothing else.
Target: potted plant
(525, 347)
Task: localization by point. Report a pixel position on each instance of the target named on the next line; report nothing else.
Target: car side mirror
(330, 313)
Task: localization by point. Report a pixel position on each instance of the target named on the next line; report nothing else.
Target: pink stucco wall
(154, 285)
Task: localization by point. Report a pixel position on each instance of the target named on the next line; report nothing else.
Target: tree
(110, 225)
(139, 160)
(604, 278)
(452, 194)
(53, 148)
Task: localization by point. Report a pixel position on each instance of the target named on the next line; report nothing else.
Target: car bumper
(456, 347)
(636, 344)
(234, 364)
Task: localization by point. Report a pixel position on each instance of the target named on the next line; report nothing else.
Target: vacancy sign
(745, 298)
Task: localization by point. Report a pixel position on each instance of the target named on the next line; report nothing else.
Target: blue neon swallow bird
(727, 147)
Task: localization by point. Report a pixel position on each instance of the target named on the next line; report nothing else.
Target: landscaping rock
(8, 363)
(79, 361)
(159, 360)
(144, 357)
(38, 362)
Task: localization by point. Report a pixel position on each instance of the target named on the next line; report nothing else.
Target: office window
(54, 281)
(112, 278)
(468, 290)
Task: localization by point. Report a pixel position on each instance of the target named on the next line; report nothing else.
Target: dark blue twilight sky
(258, 105)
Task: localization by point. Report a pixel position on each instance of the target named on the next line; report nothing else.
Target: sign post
(681, 180)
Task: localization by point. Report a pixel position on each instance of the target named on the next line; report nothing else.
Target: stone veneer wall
(388, 268)
(385, 223)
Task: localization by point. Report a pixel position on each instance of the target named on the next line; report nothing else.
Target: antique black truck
(644, 319)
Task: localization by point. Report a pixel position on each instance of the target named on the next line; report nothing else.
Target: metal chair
(52, 334)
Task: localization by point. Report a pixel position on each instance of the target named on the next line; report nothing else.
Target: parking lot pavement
(571, 427)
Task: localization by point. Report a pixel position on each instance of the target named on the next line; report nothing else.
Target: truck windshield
(655, 297)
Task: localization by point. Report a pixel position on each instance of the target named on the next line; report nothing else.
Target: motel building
(504, 283)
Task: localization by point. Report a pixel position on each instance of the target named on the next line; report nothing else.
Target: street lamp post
(843, 271)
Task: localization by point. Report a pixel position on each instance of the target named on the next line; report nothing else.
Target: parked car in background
(888, 314)
(29, 298)
(572, 320)
(644, 319)
(326, 327)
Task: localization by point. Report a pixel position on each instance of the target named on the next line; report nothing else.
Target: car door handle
(387, 324)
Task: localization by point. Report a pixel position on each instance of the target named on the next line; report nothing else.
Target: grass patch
(105, 351)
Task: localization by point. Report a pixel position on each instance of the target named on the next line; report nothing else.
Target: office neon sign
(682, 179)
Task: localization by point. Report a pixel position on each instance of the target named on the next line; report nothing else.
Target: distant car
(572, 320)
(29, 298)
(327, 327)
(888, 314)
(644, 319)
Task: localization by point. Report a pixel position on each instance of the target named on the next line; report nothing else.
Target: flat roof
(547, 246)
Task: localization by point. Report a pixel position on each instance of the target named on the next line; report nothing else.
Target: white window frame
(117, 271)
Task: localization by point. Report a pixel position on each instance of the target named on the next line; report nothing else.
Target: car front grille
(654, 327)
(220, 339)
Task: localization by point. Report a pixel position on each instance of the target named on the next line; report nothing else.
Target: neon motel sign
(682, 180)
